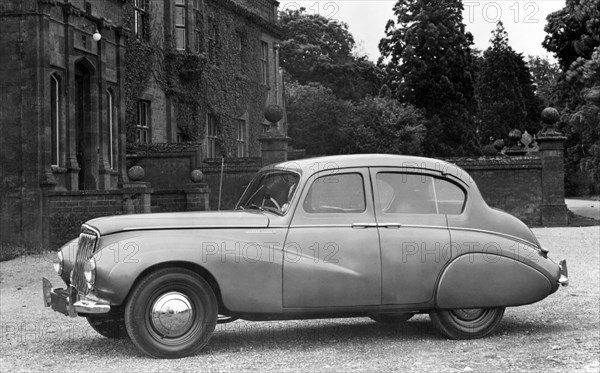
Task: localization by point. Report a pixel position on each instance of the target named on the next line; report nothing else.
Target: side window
(403, 193)
(340, 193)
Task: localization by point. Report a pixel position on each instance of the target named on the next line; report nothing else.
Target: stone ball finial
(273, 113)
(550, 116)
(136, 173)
(196, 176)
(514, 136)
(499, 144)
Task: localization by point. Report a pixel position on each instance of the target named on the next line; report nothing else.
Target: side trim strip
(496, 234)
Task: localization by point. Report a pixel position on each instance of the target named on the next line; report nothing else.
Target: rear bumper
(67, 302)
(564, 273)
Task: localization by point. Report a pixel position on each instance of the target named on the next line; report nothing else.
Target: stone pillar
(273, 148)
(197, 193)
(137, 194)
(196, 196)
(273, 144)
(551, 145)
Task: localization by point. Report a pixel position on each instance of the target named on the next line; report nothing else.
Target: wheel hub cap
(468, 314)
(172, 314)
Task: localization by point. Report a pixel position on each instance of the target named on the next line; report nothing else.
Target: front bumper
(67, 302)
(564, 273)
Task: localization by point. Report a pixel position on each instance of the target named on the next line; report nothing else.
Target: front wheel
(466, 323)
(171, 313)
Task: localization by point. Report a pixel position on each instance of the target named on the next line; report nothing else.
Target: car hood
(180, 220)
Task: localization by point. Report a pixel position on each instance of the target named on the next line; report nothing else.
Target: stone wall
(512, 184)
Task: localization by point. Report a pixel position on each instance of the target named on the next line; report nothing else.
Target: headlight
(58, 263)
(89, 270)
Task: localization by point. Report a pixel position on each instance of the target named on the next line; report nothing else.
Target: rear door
(331, 255)
(410, 209)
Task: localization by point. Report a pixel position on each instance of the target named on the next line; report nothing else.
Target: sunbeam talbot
(378, 236)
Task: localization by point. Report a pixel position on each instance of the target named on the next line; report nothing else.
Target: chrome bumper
(564, 273)
(68, 303)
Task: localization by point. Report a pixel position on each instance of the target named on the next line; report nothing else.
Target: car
(379, 236)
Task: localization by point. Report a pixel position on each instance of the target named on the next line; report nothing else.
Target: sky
(523, 20)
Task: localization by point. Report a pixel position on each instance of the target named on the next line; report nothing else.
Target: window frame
(140, 16)
(212, 135)
(145, 126)
(212, 35)
(180, 28)
(198, 27)
(242, 138)
(334, 209)
(55, 119)
(264, 62)
(435, 179)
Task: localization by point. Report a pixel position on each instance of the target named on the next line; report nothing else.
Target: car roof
(405, 162)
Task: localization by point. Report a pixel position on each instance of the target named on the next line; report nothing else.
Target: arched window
(55, 119)
(113, 133)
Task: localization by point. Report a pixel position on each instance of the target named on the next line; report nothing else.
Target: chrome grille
(86, 246)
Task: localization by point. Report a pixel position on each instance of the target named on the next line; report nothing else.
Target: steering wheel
(272, 200)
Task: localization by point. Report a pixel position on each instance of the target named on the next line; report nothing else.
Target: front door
(411, 213)
(332, 255)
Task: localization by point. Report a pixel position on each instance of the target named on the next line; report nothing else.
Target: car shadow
(308, 335)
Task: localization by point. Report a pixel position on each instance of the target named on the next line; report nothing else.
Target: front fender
(248, 269)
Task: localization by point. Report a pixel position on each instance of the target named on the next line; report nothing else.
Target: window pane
(179, 16)
(336, 194)
(406, 193)
(450, 197)
(180, 36)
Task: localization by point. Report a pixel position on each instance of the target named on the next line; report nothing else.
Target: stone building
(84, 81)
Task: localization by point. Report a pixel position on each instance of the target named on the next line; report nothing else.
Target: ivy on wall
(227, 87)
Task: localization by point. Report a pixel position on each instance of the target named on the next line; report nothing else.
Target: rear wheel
(171, 313)
(111, 325)
(392, 318)
(466, 323)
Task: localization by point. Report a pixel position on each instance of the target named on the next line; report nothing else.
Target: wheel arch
(201, 271)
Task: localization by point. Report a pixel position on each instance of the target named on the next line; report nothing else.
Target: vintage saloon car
(378, 236)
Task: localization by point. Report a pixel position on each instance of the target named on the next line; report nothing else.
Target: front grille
(86, 247)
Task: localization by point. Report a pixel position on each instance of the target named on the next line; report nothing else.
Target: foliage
(229, 88)
(316, 118)
(317, 49)
(138, 60)
(545, 76)
(383, 125)
(574, 36)
(574, 31)
(505, 91)
(429, 65)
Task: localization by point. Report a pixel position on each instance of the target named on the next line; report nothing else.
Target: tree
(317, 49)
(574, 37)
(383, 125)
(505, 91)
(427, 56)
(545, 78)
(315, 117)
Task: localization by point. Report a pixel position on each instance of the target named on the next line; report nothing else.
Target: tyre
(111, 325)
(392, 318)
(466, 323)
(171, 313)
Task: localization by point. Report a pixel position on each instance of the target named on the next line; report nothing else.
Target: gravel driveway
(560, 333)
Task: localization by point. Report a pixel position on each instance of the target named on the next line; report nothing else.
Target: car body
(380, 236)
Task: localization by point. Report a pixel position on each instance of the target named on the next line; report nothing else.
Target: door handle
(363, 225)
(391, 225)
